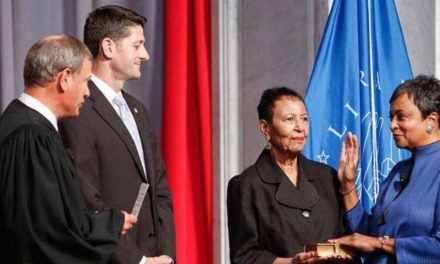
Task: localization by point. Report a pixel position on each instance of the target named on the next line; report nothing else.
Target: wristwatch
(382, 240)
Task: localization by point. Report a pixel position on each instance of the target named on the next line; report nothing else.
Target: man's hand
(129, 221)
(163, 259)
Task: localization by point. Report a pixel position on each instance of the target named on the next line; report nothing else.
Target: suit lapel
(140, 116)
(303, 197)
(103, 107)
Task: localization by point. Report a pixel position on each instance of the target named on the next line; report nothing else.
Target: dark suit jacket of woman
(268, 217)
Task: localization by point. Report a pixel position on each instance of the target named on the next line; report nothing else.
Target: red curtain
(186, 126)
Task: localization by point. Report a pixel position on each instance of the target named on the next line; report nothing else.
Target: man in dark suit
(113, 142)
(43, 218)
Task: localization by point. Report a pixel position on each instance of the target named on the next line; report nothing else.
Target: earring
(429, 129)
(268, 145)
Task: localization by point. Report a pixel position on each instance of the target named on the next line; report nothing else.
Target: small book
(327, 249)
(140, 198)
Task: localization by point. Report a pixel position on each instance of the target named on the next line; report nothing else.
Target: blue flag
(361, 60)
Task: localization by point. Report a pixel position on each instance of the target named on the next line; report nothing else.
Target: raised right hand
(348, 162)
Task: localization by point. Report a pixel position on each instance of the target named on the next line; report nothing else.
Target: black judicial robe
(42, 213)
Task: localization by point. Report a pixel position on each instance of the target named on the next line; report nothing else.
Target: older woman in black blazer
(284, 200)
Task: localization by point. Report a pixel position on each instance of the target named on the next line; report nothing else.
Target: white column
(226, 114)
(10, 88)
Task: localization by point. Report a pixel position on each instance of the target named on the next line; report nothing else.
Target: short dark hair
(424, 91)
(268, 98)
(109, 21)
(47, 57)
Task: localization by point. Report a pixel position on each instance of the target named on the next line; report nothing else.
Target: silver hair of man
(51, 55)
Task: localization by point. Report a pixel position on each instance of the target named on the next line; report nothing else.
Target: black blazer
(268, 217)
(110, 173)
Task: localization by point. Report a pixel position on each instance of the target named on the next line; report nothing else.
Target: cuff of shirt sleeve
(399, 247)
(354, 216)
(353, 212)
(144, 260)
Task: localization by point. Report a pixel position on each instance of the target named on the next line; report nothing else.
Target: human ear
(64, 78)
(264, 128)
(433, 119)
(108, 48)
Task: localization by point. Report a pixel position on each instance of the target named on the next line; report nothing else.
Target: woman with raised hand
(404, 225)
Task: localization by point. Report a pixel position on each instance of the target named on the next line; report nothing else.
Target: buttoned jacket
(111, 173)
(269, 217)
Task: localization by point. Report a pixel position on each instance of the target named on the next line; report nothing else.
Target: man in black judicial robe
(42, 213)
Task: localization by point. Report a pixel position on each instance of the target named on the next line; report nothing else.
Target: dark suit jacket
(110, 173)
(268, 217)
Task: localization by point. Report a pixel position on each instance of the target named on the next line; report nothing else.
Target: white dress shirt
(106, 90)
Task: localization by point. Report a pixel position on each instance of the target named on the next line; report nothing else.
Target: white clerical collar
(38, 106)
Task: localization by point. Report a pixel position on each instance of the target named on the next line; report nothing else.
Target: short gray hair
(49, 56)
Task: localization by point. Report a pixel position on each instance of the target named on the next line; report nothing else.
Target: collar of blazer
(304, 197)
(103, 107)
(270, 172)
